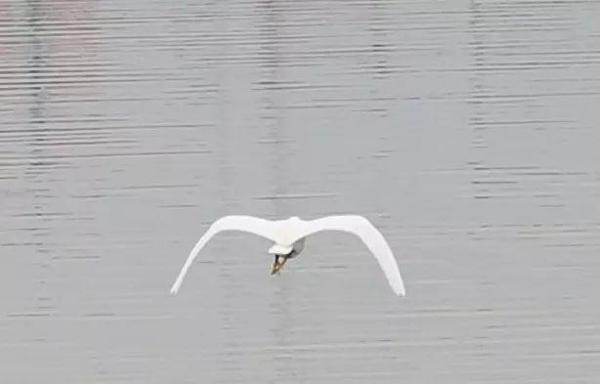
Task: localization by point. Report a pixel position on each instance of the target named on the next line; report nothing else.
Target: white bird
(289, 236)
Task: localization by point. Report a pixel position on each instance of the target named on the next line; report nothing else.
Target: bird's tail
(278, 249)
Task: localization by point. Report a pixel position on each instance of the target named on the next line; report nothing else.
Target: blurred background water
(467, 131)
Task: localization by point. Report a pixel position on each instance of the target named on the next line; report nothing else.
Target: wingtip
(400, 291)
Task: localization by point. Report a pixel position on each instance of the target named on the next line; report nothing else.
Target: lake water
(467, 131)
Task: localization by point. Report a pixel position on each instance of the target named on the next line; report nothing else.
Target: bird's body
(289, 237)
(284, 252)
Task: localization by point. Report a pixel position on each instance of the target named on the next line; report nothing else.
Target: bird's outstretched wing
(261, 227)
(372, 238)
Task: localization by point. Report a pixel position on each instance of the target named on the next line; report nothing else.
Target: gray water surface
(467, 131)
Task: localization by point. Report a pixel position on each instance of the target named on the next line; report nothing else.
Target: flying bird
(289, 236)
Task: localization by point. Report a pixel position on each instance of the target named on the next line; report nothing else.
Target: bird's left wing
(258, 226)
(372, 238)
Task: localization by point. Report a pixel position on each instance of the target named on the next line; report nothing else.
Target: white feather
(286, 232)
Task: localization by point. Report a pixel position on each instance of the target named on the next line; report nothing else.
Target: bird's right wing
(372, 238)
(258, 226)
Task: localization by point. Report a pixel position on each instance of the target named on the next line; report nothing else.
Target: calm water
(467, 131)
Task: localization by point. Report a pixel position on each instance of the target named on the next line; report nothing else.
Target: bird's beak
(277, 264)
